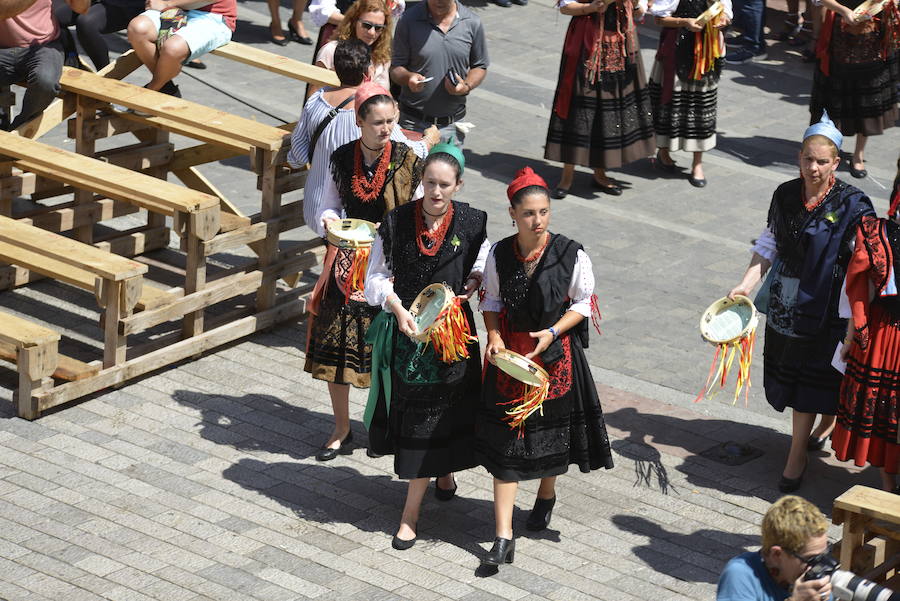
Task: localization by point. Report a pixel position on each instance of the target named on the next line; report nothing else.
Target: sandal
(791, 28)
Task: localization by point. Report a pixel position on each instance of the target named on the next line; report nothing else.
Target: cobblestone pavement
(198, 482)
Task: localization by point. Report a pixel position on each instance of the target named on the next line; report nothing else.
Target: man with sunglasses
(794, 535)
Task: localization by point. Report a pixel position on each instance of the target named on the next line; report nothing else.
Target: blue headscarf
(825, 127)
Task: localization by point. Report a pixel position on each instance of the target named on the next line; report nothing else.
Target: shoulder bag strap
(324, 123)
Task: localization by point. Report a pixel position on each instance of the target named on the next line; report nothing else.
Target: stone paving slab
(199, 481)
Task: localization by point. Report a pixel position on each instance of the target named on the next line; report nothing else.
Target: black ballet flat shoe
(697, 182)
(816, 444)
(559, 193)
(789, 485)
(444, 494)
(282, 41)
(611, 189)
(503, 551)
(539, 518)
(858, 173)
(296, 37)
(662, 166)
(195, 64)
(326, 454)
(372, 454)
(402, 545)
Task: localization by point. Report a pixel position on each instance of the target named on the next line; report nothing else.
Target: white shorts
(204, 32)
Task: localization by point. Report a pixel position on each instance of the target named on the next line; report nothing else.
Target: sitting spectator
(793, 534)
(206, 29)
(30, 51)
(369, 21)
(103, 17)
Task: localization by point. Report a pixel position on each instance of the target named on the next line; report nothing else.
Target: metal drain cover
(732, 453)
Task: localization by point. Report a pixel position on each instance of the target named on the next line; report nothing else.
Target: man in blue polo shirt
(439, 56)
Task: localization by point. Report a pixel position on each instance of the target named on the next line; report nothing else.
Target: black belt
(431, 120)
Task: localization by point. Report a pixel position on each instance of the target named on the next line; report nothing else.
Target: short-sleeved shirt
(421, 47)
(745, 578)
(34, 25)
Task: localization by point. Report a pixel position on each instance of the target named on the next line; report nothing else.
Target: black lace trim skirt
(430, 429)
(797, 372)
(860, 99)
(688, 121)
(571, 431)
(337, 350)
(610, 123)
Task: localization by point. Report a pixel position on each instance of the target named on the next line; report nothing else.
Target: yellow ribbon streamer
(451, 336)
(708, 47)
(722, 362)
(531, 400)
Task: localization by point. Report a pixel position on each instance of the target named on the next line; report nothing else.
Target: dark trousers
(750, 16)
(101, 18)
(40, 68)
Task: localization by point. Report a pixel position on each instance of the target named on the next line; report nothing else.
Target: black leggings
(101, 18)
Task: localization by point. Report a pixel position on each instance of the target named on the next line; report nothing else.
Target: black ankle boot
(539, 518)
(503, 551)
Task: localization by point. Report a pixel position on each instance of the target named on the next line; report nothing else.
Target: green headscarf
(451, 149)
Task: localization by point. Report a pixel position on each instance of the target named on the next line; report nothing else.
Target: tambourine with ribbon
(536, 382)
(440, 320)
(730, 325)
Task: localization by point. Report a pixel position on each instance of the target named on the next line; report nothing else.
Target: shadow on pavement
(760, 151)
(695, 557)
(334, 492)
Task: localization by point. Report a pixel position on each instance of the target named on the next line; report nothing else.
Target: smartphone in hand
(453, 77)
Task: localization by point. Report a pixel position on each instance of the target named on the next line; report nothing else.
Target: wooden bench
(870, 544)
(118, 281)
(275, 63)
(35, 350)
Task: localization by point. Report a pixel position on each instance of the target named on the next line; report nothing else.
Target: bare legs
(296, 20)
(697, 166)
(505, 500)
(340, 405)
(858, 160)
(802, 425)
(888, 481)
(568, 173)
(414, 493)
(165, 65)
(826, 425)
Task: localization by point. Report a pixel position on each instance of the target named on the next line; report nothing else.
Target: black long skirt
(430, 428)
(571, 430)
(797, 372)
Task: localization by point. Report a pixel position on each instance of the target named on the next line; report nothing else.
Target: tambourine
(715, 9)
(521, 368)
(428, 307)
(727, 320)
(869, 9)
(350, 233)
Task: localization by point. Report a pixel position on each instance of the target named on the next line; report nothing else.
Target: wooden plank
(58, 111)
(105, 126)
(215, 292)
(170, 354)
(195, 180)
(227, 241)
(230, 146)
(73, 215)
(870, 502)
(229, 222)
(23, 333)
(135, 242)
(67, 368)
(196, 115)
(109, 180)
(71, 252)
(275, 63)
(138, 157)
(204, 153)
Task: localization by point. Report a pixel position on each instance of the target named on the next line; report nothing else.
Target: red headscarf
(524, 177)
(365, 91)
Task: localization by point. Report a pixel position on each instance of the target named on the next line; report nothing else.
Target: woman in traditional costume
(538, 297)
(684, 83)
(422, 408)
(858, 73)
(808, 242)
(866, 429)
(602, 117)
(369, 177)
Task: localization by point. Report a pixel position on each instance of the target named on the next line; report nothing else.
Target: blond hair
(820, 139)
(381, 49)
(790, 522)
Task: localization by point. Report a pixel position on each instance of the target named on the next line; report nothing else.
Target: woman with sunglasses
(370, 22)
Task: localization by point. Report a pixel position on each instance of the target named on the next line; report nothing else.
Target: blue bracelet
(554, 332)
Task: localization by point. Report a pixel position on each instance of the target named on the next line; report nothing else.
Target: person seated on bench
(207, 28)
(30, 52)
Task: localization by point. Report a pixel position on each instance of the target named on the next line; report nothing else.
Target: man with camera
(793, 540)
